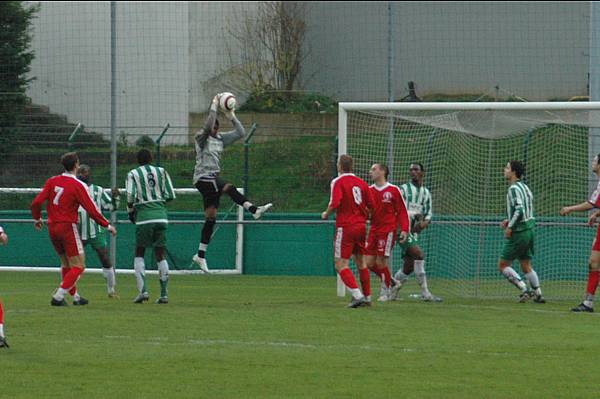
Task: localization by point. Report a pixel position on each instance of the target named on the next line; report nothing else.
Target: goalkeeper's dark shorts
(211, 190)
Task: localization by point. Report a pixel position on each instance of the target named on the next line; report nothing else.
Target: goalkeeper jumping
(209, 147)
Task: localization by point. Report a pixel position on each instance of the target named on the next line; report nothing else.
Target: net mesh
(463, 154)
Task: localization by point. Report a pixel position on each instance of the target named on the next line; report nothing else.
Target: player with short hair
(209, 143)
(351, 200)
(389, 215)
(418, 203)
(93, 234)
(3, 342)
(519, 232)
(149, 188)
(594, 261)
(65, 193)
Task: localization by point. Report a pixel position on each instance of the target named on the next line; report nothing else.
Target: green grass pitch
(286, 337)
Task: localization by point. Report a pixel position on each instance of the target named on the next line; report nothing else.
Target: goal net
(464, 148)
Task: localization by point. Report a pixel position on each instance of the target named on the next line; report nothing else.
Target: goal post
(464, 148)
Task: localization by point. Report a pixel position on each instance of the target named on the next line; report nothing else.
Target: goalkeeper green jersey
(88, 228)
(148, 189)
(418, 202)
(519, 206)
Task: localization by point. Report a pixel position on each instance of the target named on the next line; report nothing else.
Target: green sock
(163, 287)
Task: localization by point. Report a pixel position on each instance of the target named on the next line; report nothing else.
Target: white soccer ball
(227, 102)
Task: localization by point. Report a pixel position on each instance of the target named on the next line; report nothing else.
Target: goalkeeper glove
(214, 106)
(230, 115)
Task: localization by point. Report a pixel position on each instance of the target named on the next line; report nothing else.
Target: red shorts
(349, 240)
(65, 238)
(380, 243)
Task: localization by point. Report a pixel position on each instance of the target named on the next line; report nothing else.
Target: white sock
(589, 300)
(421, 277)
(109, 274)
(400, 277)
(512, 276)
(534, 281)
(140, 273)
(202, 247)
(163, 270)
(247, 205)
(1, 330)
(76, 296)
(356, 294)
(60, 293)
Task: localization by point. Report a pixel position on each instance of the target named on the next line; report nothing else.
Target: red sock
(64, 271)
(1, 314)
(593, 279)
(348, 278)
(71, 278)
(365, 281)
(386, 276)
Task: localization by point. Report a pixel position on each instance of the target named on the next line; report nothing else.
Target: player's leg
(143, 239)
(401, 275)
(364, 275)
(382, 264)
(72, 247)
(513, 249)
(593, 278)
(241, 200)
(533, 279)
(160, 244)
(211, 196)
(3, 343)
(416, 253)
(342, 252)
(101, 247)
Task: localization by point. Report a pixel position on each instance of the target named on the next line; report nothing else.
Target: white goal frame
(239, 246)
(345, 107)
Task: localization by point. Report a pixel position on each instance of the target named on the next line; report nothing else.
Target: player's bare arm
(584, 206)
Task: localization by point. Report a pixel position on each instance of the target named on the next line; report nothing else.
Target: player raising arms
(519, 232)
(418, 202)
(351, 200)
(209, 147)
(389, 215)
(65, 193)
(148, 189)
(93, 234)
(3, 343)
(594, 261)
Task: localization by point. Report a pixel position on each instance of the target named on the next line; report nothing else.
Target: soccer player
(65, 193)
(389, 215)
(209, 147)
(3, 342)
(519, 232)
(148, 189)
(594, 261)
(418, 202)
(93, 234)
(351, 200)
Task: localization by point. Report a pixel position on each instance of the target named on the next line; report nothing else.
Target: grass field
(267, 337)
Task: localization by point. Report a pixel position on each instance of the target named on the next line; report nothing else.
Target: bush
(145, 142)
(289, 102)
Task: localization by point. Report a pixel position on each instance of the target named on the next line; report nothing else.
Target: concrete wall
(72, 64)
(536, 50)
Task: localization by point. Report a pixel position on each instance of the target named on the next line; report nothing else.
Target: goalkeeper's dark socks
(249, 207)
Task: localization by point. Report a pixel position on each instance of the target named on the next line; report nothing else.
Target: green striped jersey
(418, 202)
(519, 206)
(148, 188)
(88, 228)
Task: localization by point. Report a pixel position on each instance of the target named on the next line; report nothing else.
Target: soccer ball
(227, 102)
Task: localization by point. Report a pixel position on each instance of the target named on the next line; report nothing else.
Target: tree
(268, 47)
(15, 61)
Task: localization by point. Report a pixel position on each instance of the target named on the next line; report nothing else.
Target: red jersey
(351, 197)
(64, 194)
(390, 212)
(595, 197)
